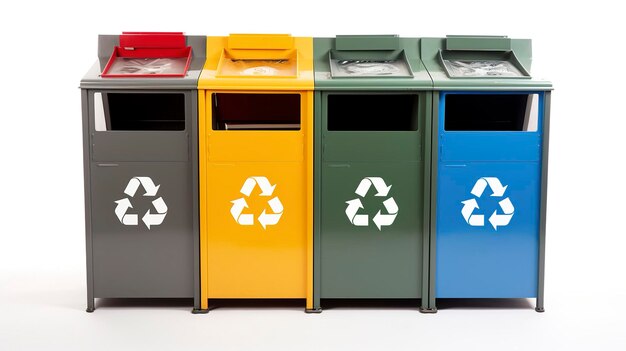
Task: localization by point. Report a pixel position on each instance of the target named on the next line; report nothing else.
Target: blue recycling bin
(490, 169)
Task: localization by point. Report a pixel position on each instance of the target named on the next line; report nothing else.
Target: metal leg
(313, 310)
(544, 199)
(199, 311)
(539, 308)
(426, 309)
(91, 304)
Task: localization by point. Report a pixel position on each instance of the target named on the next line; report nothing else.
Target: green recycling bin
(372, 147)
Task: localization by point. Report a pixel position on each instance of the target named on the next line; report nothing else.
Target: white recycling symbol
(149, 218)
(496, 219)
(264, 218)
(380, 220)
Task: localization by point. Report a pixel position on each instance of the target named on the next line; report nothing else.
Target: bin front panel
(371, 196)
(476, 146)
(145, 250)
(488, 193)
(372, 147)
(244, 258)
(256, 194)
(280, 146)
(359, 260)
(140, 125)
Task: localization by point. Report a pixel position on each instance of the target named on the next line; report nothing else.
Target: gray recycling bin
(139, 107)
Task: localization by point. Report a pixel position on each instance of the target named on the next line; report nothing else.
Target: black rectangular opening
(491, 112)
(369, 112)
(144, 111)
(256, 111)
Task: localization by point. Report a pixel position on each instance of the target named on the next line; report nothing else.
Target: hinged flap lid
(163, 40)
(367, 42)
(478, 43)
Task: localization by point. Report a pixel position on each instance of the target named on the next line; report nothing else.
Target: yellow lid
(258, 62)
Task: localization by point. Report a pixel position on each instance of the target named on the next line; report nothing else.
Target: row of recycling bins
(272, 166)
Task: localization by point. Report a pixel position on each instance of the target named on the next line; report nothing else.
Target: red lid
(162, 40)
(149, 54)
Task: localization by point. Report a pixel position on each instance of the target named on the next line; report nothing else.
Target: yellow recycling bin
(256, 168)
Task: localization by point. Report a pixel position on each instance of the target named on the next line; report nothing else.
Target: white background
(46, 48)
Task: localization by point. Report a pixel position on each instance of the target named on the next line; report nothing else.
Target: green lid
(369, 62)
(480, 63)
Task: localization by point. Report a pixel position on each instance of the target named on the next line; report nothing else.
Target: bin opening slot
(139, 111)
(372, 112)
(234, 111)
(482, 64)
(383, 63)
(257, 68)
(491, 112)
(275, 62)
(149, 55)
